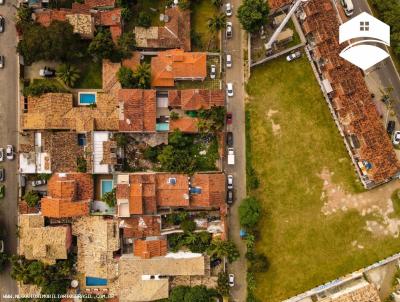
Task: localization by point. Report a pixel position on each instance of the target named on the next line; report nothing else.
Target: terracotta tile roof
(175, 64)
(172, 190)
(111, 84)
(351, 100)
(185, 124)
(212, 186)
(69, 195)
(275, 4)
(150, 248)
(195, 99)
(109, 17)
(137, 110)
(141, 226)
(100, 3)
(45, 17)
(44, 243)
(116, 32)
(133, 62)
(174, 34)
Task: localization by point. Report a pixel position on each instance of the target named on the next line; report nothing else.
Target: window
(82, 139)
(364, 25)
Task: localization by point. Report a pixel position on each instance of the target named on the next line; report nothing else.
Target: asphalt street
(8, 135)
(235, 105)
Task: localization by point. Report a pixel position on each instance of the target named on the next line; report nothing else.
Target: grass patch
(202, 11)
(296, 38)
(396, 201)
(153, 7)
(305, 247)
(90, 75)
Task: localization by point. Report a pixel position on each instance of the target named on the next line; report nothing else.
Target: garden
(290, 138)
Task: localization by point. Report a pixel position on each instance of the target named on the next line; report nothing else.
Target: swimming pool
(106, 186)
(93, 281)
(87, 98)
(162, 126)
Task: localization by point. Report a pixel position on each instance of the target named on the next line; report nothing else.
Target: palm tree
(221, 248)
(142, 75)
(68, 74)
(216, 3)
(216, 23)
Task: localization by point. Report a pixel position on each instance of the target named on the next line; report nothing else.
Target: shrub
(110, 198)
(41, 86)
(144, 19)
(223, 284)
(249, 212)
(32, 198)
(258, 262)
(174, 116)
(188, 226)
(81, 164)
(151, 154)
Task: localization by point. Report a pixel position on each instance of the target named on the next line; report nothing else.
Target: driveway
(8, 135)
(235, 105)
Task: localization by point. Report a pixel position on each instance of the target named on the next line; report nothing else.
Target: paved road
(8, 135)
(235, 105)
(384, 70)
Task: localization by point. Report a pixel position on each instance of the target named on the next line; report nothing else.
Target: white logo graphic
(369, 31)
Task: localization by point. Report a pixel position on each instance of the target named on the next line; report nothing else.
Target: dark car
(229, 118)
(215, 262)
(1, 24)
(2, 174)
(229, 139)
(390, 127)
(229, 196)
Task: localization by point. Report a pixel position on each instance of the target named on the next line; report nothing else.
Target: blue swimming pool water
(162, 126)
(93, 281)
(106, 186)
(87, 98)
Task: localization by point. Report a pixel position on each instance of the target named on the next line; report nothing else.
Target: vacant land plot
(293, 143)
(204, 39)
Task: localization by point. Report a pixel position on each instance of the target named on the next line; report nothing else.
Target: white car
(229, 89)
(230, 182)
(1, 62)
(213, 71)
(229, 30)
(1, 154)
(396, 138)
(293, 56)
(228, 61)
(228, 9)
(231, 279)
(10, 152)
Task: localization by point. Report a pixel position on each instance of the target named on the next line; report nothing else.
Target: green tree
(216, 23)
(24, 17)
(258, 262)
(110, 198)
(126, 78)
(188, 226)
(178, 293)
(217, 3)
(249, 212)
(32, 198)
(223, 283)
(102, 45)
(127, 44)
(221, 248)
(198, 293)
(68, 74)
(144, 20)
(142, 76)
(253, 14)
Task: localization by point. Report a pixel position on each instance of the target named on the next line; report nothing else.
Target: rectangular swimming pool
(93, 281)
(162, 126)
(106, 186)
(87, 98)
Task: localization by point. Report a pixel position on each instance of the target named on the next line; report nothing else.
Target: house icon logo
(365, 34)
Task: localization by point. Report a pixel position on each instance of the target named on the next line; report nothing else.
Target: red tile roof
(351, 100)
(147, 249)
(212, 186)
(47, 16)
(195, 99)
(141, 226)
(185, 124)
(275, 4)
(137, 110)
(69, 195)
(109, 17)
(100, 3)
(175, 64)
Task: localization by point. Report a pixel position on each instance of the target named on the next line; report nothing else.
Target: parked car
(229, 118)
(231, 279)
(228, 61)
(215, 262)
(10, 152)
(1, 246)
(41, 193)
(396, 138)
(229, 89)
(1, 2)
(293, 56)
(1, 62)
(230, 182)
(1, 154)
(229, 139)
(229, 30)
(229, 196)
(47, 72)
(213, 71)
(2, 174)
(228, 9)
(390, 127)
(39, 182)
(2, 24)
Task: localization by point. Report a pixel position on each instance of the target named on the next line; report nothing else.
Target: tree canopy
(222, 248)
(102, 45)
(198, 293)
(253, 14)
(249, 212)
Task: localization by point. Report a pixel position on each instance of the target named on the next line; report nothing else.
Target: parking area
(32, 72)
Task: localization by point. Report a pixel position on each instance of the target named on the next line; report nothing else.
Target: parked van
(348, 7)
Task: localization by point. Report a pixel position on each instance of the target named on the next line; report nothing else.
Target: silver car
(1, 62)
(228, 61)
(229, 30)
(10, 152)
